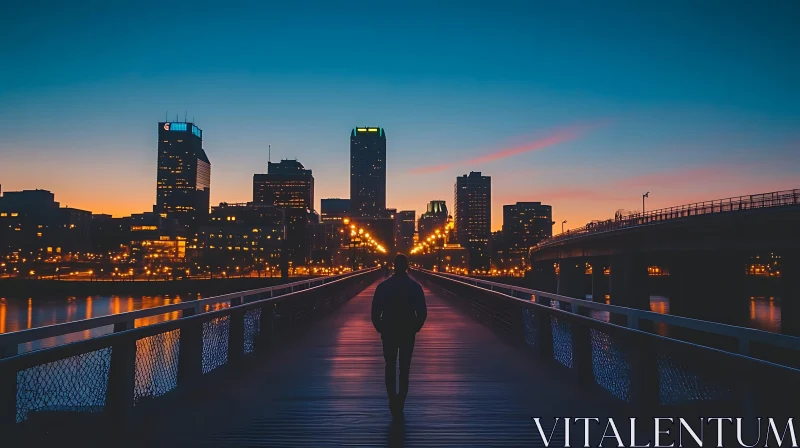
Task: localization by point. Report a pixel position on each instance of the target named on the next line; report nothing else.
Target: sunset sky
(581, 105)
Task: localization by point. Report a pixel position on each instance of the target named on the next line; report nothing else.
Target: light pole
(646, 195)
(562, 225)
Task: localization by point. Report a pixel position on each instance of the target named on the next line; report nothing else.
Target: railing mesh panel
(680, 383)
(252, 328)
(215, 343)
(562, 341)
(610, 364)
(156, 365)
(77, 383)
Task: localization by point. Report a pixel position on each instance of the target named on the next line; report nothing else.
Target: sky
(584, 106)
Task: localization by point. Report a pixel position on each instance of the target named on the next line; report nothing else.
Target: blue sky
(688, 100)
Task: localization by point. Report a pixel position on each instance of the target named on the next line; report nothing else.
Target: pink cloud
(564, 135)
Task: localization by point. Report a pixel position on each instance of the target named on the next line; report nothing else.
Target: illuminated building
(367, 172)
(500, 258)
(525, 224)
(155, 239)
(473, 217)
(32, 224)
(404, 230)
(334, 209)
(329, 233)
(434, 218)
(184, 174)
(251, 232)
(287, 185)
(110, 236)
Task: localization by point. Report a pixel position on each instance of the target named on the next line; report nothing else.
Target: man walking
(398, 313)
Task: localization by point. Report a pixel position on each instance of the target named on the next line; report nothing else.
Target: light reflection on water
(16, 315)
(765, 313)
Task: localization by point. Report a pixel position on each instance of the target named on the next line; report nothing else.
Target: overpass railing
(137, 363)
(755, 201)
(633, 365)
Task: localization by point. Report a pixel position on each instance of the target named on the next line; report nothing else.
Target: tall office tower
(184, 174)
(525, 224)
(405, 225)
(473, 217)
(367, 172)
(290, 187)
(287, 185)
(434, 218)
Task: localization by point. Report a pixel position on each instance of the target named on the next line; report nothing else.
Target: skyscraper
(525, 224)
(287, 185)
(367, 172)
(184, 174)
(473, 217)
(290, 187)
(405, 226)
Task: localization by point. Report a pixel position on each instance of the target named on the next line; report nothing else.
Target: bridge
(705, 247)
(300, 365)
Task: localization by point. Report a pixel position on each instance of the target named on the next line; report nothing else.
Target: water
(21, 314)
(764, 312)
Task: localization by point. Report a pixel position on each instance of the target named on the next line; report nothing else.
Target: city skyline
(559, 115)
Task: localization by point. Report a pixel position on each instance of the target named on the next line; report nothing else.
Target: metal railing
(739, 203)
(117, 372)
(10, 342)
(633, 365)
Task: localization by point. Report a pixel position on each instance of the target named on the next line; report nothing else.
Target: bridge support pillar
(599, 282)
(571, 278)
(710, 286)
(543, 276)
(628, 281)
(790, 293)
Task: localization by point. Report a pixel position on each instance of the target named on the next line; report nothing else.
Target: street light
(646, 195)
(562, 225)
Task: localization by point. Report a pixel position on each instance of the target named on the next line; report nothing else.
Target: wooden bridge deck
(469, 387)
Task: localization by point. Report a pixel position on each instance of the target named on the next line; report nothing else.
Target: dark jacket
(398, 307)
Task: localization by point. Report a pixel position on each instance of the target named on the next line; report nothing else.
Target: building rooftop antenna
(269, 153)
(185, 113)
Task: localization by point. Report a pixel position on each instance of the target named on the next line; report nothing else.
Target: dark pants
(392, 346)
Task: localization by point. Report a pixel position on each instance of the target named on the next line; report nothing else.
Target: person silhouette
(398, 314)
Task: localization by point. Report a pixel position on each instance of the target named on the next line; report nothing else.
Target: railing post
(190, 354)
(266, 325)
(236, 336)
(582, 352)
(121, 375)
(644, 385)
(544, 343)
(523, 322)
(8, 387)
